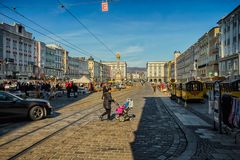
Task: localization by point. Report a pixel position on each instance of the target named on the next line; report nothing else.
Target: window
(14, 44)
(25, 47)
(20, 29)
(3, 97)
(223, 66)
(229, 65)
(20, 46)
(8, 41)
(235, 64)
(228, 41)
(6, 97)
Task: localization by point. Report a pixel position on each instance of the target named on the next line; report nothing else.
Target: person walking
(154, 88)
(75, 90)
(68, 87)
(104, 90)
(107, 100)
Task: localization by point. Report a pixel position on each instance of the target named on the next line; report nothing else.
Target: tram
(192, 90)
(226, 87)
(231, 87)
(208, 87)
(178, 90)
(235, 88)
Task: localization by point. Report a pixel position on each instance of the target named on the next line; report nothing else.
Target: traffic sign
(104, 6)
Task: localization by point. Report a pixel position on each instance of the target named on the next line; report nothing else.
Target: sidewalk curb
(189, 135)
(199, 114)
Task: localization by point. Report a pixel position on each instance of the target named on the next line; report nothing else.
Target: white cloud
(133, 49)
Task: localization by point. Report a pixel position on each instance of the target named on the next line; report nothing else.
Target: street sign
(104, 6)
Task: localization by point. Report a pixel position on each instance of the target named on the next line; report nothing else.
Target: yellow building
(213, 52)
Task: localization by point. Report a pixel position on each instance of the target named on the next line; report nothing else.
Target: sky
(141, 30)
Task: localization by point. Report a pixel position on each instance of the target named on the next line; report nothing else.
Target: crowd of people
(40, 88)
(49, 89)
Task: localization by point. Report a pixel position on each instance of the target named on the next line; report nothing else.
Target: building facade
(49, 66)
(155, 71)
(172, 72)
(94, 70)
(84, 67)
(114, 69)
(16, 52)
(202, 54)
(166, 75)
(40, 59)
(59, 55)
(105, 72)
(213, 52)
(230, 44)
(180, 65)
(73, 68)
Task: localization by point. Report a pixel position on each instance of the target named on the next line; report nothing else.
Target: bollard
(178, 100)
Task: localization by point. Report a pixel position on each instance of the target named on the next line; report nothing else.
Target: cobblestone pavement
(8, 124)
(153, 134)
(209, 144)
(27, 135)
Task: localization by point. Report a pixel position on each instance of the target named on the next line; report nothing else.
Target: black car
(35, 109)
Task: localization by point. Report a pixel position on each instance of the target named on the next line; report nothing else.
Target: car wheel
(36, 113)
(45, 112)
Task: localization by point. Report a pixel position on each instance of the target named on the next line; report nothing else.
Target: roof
(157, 62)
(193, 81)
(238, 7)
(230, 81)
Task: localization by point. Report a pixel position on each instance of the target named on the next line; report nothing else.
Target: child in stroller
(122, 111)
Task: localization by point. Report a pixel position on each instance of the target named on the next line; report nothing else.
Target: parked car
(35, 109)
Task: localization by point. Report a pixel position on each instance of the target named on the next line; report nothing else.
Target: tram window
(234, 86)
(238, 86)
(179, 86)
(194, 87)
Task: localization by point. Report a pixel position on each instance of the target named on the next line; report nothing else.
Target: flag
(104, 6)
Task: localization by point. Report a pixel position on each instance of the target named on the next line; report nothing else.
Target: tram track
(63, 118)
(9, 126)
(70, 121)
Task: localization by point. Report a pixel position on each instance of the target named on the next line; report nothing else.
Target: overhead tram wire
(85, 27)
(42, 33)
(20, 14)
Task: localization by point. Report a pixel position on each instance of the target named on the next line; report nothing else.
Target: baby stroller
(122, 111)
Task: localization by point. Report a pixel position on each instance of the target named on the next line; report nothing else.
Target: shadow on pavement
(11, 123)
(146, 143)
(157, 136)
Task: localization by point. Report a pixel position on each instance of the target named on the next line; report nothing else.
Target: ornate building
(230, 44)
(155, 71)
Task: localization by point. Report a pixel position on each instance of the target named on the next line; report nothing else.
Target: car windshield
(19, 98)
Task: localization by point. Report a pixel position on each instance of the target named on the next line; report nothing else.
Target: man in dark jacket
(107, 100)
(104, 90)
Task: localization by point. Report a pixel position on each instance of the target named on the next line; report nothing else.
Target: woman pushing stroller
(107, 100)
